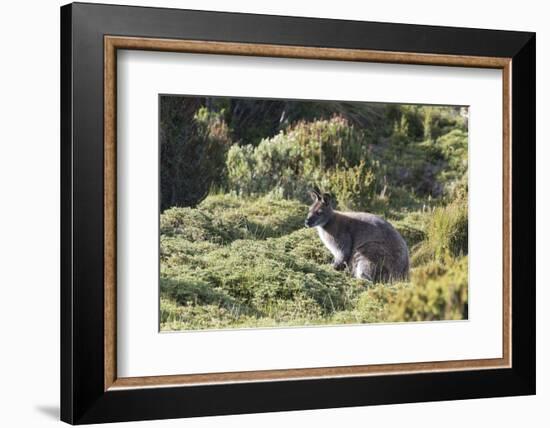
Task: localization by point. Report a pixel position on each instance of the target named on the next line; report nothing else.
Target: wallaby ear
(315, 195)
(326, 198)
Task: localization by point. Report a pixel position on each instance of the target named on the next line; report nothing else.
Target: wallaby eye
(319, 212)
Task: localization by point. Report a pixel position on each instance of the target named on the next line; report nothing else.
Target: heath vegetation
(234, 179)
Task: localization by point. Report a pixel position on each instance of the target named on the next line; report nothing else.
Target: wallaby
(363, 243)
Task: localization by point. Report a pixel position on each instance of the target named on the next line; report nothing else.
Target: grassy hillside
(236, 262)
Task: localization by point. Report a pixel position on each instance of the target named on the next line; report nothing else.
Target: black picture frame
(83, 398)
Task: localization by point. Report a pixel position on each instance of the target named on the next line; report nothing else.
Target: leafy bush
(411, 234)
(427, 152)
(446, 234)
(193, 146)
(352, 187)
(329, 153)
(454, 146)
(439, 121)
(361, 153)
(408, 123)
(412, 167)
(437, 292)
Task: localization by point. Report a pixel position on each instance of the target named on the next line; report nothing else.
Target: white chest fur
(330, 243)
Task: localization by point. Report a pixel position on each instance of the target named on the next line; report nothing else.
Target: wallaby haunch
(363, 243)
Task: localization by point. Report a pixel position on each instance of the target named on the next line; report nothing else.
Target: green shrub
(439, 121)
(411, 124)
(403, 149)
(352, 187)
(193, 147)
(345, 161)
(446, 234)
(412, 167)
(454, 146)
(407, 123)
(329, 153)
(411, 234)
(437, 292)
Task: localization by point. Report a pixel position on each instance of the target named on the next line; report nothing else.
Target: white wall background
(29, 214)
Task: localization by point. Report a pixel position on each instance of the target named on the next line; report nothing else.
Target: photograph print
(298, 213)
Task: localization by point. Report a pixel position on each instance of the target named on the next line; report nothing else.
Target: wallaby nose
(307, 222)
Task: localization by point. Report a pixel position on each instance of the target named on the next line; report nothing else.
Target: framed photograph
(266, 213)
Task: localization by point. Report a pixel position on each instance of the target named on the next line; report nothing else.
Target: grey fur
(368, 246)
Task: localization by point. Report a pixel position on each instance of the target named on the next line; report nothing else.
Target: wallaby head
(320, 211)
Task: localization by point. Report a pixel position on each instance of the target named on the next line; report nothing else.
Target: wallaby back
(368, 245)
